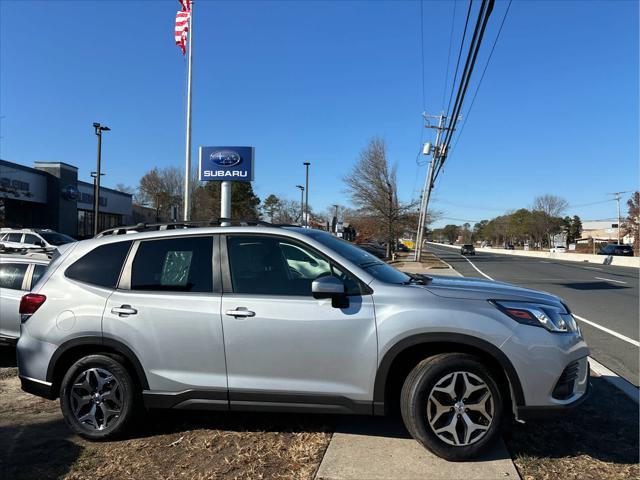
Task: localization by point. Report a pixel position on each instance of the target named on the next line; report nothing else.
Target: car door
(167, 311)
(12, 288)
(284, 348)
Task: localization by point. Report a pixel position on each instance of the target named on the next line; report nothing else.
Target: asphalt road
(602, 294)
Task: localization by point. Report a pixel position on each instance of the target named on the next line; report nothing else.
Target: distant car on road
(467, 250)
(509, 246)
(558, 249)
(617, 250)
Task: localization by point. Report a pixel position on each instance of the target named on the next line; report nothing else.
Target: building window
(105, 221)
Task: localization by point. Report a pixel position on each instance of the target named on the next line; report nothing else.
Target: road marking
(608, 330)
(593, 268)
(542, 261)
(613, 378)
(610, 280)
(477, 269)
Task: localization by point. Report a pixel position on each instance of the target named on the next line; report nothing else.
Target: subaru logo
(226, 158)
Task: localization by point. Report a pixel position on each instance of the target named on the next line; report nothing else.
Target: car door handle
(124, 310)
(240, 312)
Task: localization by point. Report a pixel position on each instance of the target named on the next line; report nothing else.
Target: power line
(446, 76)
(424, 101)
(455, 76)
(476, 41)
(482, 76)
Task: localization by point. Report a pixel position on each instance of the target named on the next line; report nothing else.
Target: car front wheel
(452, 405)
(97, 397)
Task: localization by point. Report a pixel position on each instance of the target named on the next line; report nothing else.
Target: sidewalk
(381, 449)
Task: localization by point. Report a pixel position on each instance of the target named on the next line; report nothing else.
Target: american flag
(182, 24)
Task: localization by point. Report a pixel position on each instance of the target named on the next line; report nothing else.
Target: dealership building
(49, 195)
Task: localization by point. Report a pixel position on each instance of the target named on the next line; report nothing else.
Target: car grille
(565, 385)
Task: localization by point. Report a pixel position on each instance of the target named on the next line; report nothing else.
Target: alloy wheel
(460, 408)
(96, 399)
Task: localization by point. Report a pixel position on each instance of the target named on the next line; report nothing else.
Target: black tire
(414, 404)
(125, 398)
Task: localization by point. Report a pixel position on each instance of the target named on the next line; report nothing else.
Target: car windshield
(468, 246)
(55, 238)
(376, 267)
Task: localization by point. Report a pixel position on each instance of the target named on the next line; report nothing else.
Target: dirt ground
(35, 443)
(596, 441)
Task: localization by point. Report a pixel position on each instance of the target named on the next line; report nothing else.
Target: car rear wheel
(452, 405)
(97, 397)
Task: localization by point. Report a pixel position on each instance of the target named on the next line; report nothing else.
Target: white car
(18, 274)
(558, 249)
(16, 238)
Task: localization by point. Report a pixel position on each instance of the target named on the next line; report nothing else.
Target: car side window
(271, 266)
(38, 271)
(14, 237)
(12, 274)
(101, 266)
(31, 239)
(174, 264)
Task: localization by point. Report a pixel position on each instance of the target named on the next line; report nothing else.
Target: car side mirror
(330, 287)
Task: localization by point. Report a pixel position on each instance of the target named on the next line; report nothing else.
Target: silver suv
(266, 318)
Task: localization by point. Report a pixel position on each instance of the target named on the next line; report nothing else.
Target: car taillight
(30, 303)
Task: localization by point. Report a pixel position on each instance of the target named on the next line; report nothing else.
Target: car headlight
(554, 319)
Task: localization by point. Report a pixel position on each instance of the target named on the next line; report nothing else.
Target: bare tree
(162, 188)
(373, 189)
(552, 207)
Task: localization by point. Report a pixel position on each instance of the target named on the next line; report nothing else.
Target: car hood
(479, 289)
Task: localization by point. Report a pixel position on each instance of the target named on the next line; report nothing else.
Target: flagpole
(187, 159)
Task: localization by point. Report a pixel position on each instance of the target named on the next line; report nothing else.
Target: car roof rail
(149, 227)
(27, 251)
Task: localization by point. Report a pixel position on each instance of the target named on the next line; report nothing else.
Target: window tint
(176, 264)
(12, 274)
(101, 266)
(38, 271)
(14, 237)
(55, 238)
(272, 266)
(31, 239)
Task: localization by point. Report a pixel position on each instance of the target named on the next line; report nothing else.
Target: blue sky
(557, 112)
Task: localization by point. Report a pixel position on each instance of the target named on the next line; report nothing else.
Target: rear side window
(14, 237)
(101, 266)
(12, 274)
(175, 265)
(38, 271)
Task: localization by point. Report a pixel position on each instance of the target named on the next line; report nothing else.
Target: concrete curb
(614, 379)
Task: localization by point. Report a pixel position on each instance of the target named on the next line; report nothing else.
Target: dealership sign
(218, 164)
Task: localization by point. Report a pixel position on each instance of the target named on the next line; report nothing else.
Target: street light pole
(96, 197)
(301, 204)
(306, 202)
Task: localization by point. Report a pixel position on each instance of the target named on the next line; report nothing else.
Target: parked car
(558, 249)
(374, 250)
(509, 246)
(617, 250)
(467, 249)
(18, 274)
(127, 319)
(33, 237)
(401, 247)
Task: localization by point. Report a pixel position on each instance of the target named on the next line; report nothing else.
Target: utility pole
(306, 201)
(617, 196)
(96, 193)
(428, 182)
(301, 204)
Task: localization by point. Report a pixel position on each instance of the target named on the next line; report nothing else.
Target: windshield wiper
(416, 279)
